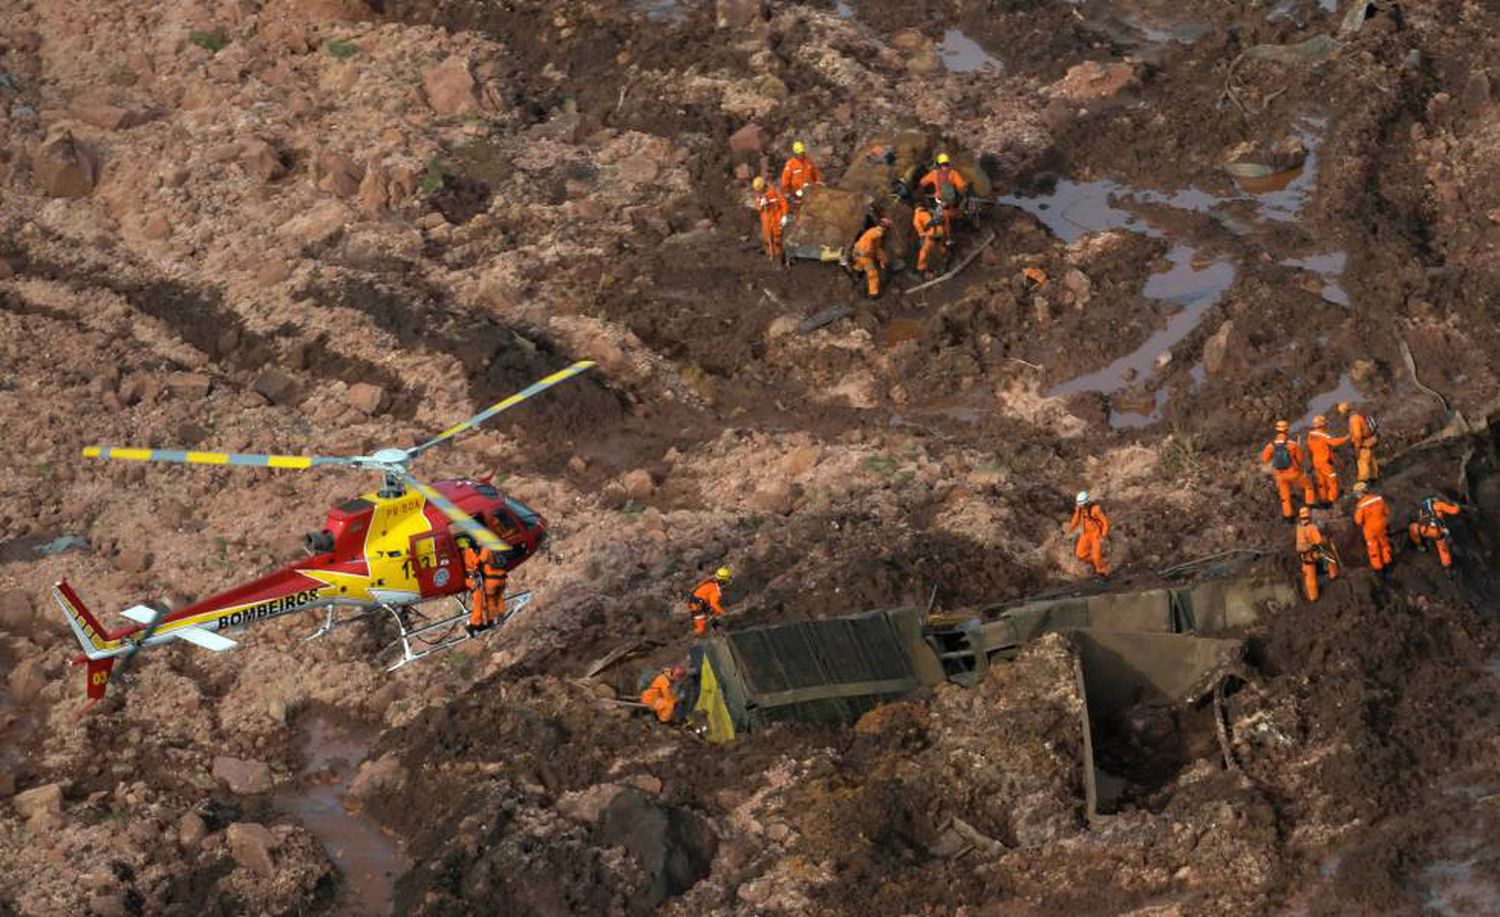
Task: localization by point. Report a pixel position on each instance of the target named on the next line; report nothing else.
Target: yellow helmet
(1360, 487)
(759, 184)
(1320, 422)
(942, 159)
(1343, 407)
(722, 574)
(798, 148)
(1282, 426)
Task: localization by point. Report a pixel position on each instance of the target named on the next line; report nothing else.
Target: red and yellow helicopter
(383, 552)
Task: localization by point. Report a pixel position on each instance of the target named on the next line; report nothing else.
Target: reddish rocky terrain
(327, 226)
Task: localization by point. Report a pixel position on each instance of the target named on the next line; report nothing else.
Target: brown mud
(584, 200)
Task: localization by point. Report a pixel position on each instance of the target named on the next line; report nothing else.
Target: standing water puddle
(1324, 402)
(1331, 268)
(1454, 889)
(962, 54)
(368, 858)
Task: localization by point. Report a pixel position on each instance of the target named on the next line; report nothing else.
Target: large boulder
(241, 776)
(450, 87)
(251, 844)
(65, 167)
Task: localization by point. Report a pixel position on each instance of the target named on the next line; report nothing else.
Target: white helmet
(1083, 497)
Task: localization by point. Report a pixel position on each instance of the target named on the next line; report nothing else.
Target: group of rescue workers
(1286, 460)
(937, 211)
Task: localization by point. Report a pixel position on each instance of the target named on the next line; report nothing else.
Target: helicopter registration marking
(268, 609)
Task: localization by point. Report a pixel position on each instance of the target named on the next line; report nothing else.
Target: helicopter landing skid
(420, 636)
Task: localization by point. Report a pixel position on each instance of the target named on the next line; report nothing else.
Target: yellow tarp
(711, 705)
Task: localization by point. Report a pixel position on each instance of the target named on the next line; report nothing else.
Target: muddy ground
(266, 203)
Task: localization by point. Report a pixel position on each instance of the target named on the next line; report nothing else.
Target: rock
(924, 63)
(770, 87)
(736, 14)
(1077, 287)
(383, 776)
(640, 169)
(450, 87)
(191, 830)
(743, 171)
(367, 398)
(638, 484)
(589, 804)
(7, 785)
(578, 464)
(272, 271)
(15, 610)
(189, 385)
(39, 800)
(241, 776)
(132, 560)
(748, 139)
(27, 678)
(800, 460)
(104, 115)
(319, 225)
(65, 167)
(250, 844)
(1092, 80)
(1163, 359)
(340, 175)
(261, 159)
(646, 783)
(782, 326)
(374, 194)
(276, 386)
(156, 227)
(1216, 349)
(774, 498)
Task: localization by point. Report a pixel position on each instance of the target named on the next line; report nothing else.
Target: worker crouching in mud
(671, 693)
(870, 257)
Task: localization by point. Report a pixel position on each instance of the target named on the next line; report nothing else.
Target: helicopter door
(436, 564)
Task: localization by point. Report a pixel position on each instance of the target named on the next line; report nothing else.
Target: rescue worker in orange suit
(486, 576)
(1092, 527)
(799, 172)
(773, 213)
(1284, 457)
(934, 238)
(869, 256)
(661, 695)
(1314, 552)
(1362, 438)
(1320, 446)
(1431, 527)
(947, 187)
(707, 600)
(1373, 516)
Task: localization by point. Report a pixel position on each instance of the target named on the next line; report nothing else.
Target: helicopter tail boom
(100, 647)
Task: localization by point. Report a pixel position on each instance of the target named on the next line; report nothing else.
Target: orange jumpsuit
(798, 173)
(932, 234)
(1373, 515)
(773, 210)
(1362, 438)
(869, 256)
(486, 577)
(705, 599)
(1095, 526)
(1430, 525)
(1320, 446)
(1309, 542)
(1287, 478)
(948, 186)
(661, 697)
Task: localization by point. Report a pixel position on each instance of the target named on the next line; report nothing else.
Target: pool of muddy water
(368, 859)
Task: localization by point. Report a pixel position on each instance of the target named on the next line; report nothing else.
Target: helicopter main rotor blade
(462, 520)
(253, 460)
(534, 388)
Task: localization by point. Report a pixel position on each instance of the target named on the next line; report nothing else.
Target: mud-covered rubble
(331, 227)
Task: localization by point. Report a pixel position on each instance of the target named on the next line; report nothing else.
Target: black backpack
(1281, 456)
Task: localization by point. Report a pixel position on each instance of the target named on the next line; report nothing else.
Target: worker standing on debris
(707, 599)
(474, 579)
(773, 214)
(661, 695)
(930, 231)
(799, 172)
(1320, 446)
(1373, 516)
(947, 187)
(1362, 429)
(1092, 526)
(1430, 526)
(1314, 551)
(869, 256)
(1284, 457)
(486, 576)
